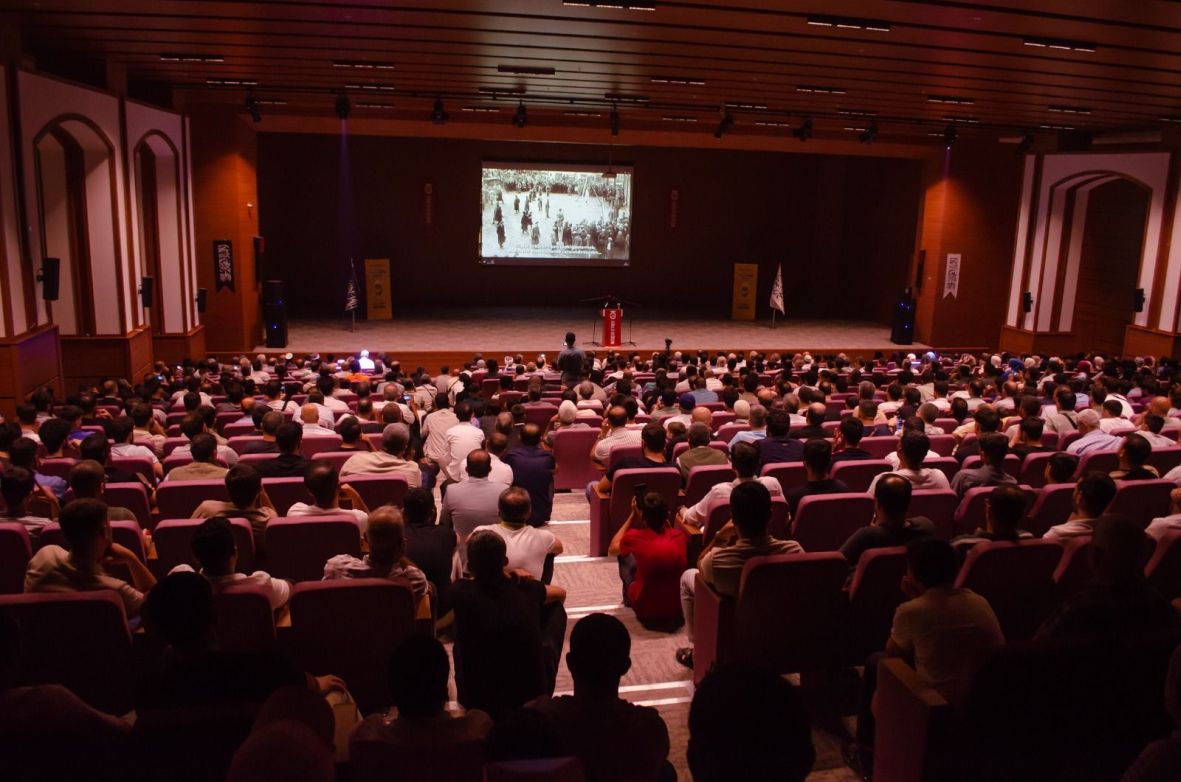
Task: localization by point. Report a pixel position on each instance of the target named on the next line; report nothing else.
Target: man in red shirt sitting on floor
(651, 559)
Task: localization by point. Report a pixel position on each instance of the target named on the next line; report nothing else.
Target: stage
(433, 337)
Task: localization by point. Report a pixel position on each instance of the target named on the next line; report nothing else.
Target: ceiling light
(364, 65)
(230, 83)
(675, 118)
(616, 5)
(619, 97)
(527, 70)
(954, 100)
(375, 105)
(804, 131)
(724, 124)
(498, 91)
(849, 23)
(950, 135)
(252, 107)
(520, 118)
(1062, 44)
(678, 80)
(371, 87)
(820, 89)
(964, 120)
(342, 106)
(191, 57)
(587, 114)
(438, 115)
(1052, 126)
(870, 135)
(481, 109)
(613, 121)
(766, 123)
(745, 106)
(1069, 109)
(857, 112)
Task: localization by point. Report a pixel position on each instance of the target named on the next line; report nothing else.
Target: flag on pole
(777, 292)
(350, 294)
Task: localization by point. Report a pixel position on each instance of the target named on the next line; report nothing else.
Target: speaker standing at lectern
(903, 330)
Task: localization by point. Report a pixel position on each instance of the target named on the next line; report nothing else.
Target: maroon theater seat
(285, 492)
(607, 513)
(1164, 569)
(704, 478)
(298, 546)
(823, 522)
(574, 466)
(858, 474)
(178, 499)
(172, 536)
(15, 551)
(1142, 501)
(1017, 580)
(874, 593)
(938, 505)
(378, 489)
(789, 474)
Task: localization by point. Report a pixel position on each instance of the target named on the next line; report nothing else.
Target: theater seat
(1142, 501)
(351, 628)
(703, 478)
(547, 770)
(1097, 461)
(1017, 580)
(719, 514)
(857, 474)
(823, 522)
(285, 492)
(789, 474)
(1164, 459)
(875, 592)
(298, 546)
(1164, 569)
(245, 622)
(790, 615)
(970, 513)
(76, 639)
(574, 468)
(172, 536)
(134, 497)
(914, 730)
(178, 499)
(1033, 469)
(879, 447)
(378, 489)
(1074, 569)
(607, 513)
(726, 432)
(938, 505)
(15, 551)
(1053, 506)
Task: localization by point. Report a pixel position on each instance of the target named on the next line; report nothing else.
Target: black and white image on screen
(565, 216)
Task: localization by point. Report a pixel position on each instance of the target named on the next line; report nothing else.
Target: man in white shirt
(496, 444)
(1151, 430)
(1094, 438)
(913, 448)
(1112, 420)
(1092, 495)
(615, 433)
(744, 458)
(192, 425)
(216, 552)
(1159, 526)
(121, 430)
(526, 546)
(327, 387)
(462, 439)
(390, 460)
(323, 483)
(434, 429)
(685, 404)
(309, 416)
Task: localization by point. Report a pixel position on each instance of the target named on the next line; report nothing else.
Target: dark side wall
(843, 227)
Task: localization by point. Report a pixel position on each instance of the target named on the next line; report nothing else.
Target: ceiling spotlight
(870, 134)
(520, 118)
(724, 124)
(438, 116)
(613, 121)
(252, 107)
(804, 131)
(1026, 144)
(950, 134)
(342, 106)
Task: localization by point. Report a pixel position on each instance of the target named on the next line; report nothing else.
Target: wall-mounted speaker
(1138, 300)
(147, 292)
(202, 300)
(50, 278)
(1027, 302)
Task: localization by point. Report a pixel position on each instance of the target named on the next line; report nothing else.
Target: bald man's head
(309, 414)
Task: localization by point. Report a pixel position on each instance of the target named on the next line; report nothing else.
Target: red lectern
(612, 327)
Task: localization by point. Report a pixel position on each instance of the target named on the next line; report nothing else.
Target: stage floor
(502, 330)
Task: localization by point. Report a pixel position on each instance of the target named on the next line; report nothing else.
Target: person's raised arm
(613, 547)
(141, 578)
(347, 492)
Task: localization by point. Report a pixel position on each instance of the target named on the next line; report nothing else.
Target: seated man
(758, 426)
(913, 448)
(778, 446)
(1151, 429)
(1060, 468)
(290, 463)
(88, 480)
(17, 486)
(745, 460)
(890, 525)
(527, 547)
(1028, 438)
(1159, 526)
(386, 536)
(846, 443)
(1119, 604)
(653, 439)
(271, 421)
(462, 438)
(1093, 493)
(749, 723)
(248, 501)
(1094, 438)
(699, 453)
(54, 436)
(947, 630)
(148, 431)
(432, 547)
(817, 458)
(1004, 509)
(496, 444)
(216, 552)
(121, 431)
(1133, 458)
(390, 460)
(985, 422)
(194, 424)
(651, 559)
(508, 631)
(595, 718)
(815, 415)
(720, 563)
(203, 467)
(993, 449)
(313, 425)
(85, 527)
(323, 483)
(474, 501)
(615, 432)
(96, 447)
(533, 470)
(420, 725)
(23, 453)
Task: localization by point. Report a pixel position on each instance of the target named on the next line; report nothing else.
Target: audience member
(1004, 510)
(203, 467)
(778, 446)
(527, 547)
(1060, 468)
(745, 460)
(216, 553)
(651, 556)
(913, 448)
(890, 525)
(993, 449)
(462, 439)
(1093, 493)
(23, 454)
(474, 501)
(1133, 458)
(1094, 439)
(699, 453)
(88, 480)
(290, 463)
(17, 487)
(323, 483)
(817, 458)
(533, 470)
(386, 539)
(846, 444)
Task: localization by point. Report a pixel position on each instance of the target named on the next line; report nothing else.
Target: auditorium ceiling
(906, 67)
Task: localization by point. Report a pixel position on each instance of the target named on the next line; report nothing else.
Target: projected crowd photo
(569, 217)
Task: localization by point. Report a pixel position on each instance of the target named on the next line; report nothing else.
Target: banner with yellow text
(746, 285)
(377, 289)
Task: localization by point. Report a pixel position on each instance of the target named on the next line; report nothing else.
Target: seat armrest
(912, 726)
(713, 628)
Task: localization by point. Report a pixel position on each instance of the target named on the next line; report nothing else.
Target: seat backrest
(1054, 504)
(1164, 569)
(942, 444)
(172, 461)
(239, 443)
(1142, 501)
(136, 465)
(60, 468)
(178, 499)
(351, 628)
(726, 432)
(789, 474)
(719, 514)
(172, 443)
(574, 468)
(791, 611)
(238, 430)
(298, 546)
(823, 522)
(335, 458)
(880, 446)
(245, 622)
(1012, 465)
(1074, 569)
(874, 593)
(314, 444)
(1163, 459)
(378, 489)
(172, 536)
(134, 497)
(666, 481)
(285, 492)
(539, 414)
(1097, 461)
(938, 505)
(1017, 580)
(15, 551)
(857, 474)
(622, 451)
(945, 464)
(126, 533)
(77, 639)
(970, 513)
(1033, 469)
(703, 478)
(720, 418)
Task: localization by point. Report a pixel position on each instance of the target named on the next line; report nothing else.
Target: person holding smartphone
(652, 556)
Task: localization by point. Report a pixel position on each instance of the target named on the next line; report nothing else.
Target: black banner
(223, 263)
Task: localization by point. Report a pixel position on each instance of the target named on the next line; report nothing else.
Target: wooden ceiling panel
(1120, 61)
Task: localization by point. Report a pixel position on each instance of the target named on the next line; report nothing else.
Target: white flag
(777, 292)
